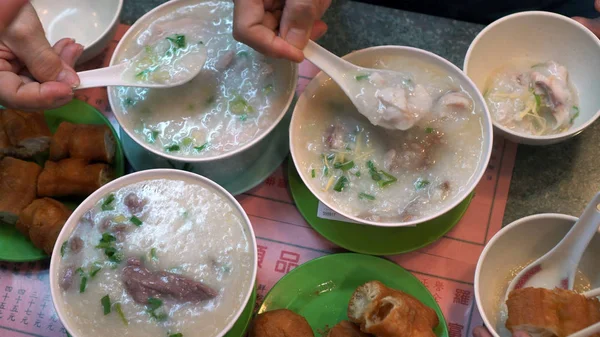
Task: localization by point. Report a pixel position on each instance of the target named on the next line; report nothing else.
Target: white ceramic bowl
(115, 185)
(540, 36)
(363, 56)
(517, 244)
(223, 169)
(91, 23)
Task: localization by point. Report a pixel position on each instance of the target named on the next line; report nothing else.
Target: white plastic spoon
(362, 85)
(557, 268)
(114, 75)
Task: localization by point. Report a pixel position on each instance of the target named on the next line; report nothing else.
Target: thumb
(10, 10)
(297, 22)
(26, 39)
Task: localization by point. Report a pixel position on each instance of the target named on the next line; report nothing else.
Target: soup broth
(155, 258)
(237, 97)
(392, 175)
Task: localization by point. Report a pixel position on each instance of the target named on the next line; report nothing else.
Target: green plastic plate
(371, 240)
(13, 245)
(320, 290)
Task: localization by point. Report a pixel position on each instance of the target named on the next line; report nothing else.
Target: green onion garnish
(121, 314)
(312, 173)
(268, 89)
(243, 117)
(340, 184)
(83, 284)
(172, 148)
(344, 166)
(179, 334)
(421, 184)
(107, 204)
(136, 221)
(105, 301)
(187, 141)
(152, 306)
(365, 196)
(239, 106)
(429, 130)
(95, 269)
(153, 254)
(361, 77)
(576, 109)
(242, 53)
(63, 249)
(201, 147)
(178, 40)
(152, 136)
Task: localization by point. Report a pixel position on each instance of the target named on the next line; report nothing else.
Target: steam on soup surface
(237, 96)
(155, 258)
(387, 175)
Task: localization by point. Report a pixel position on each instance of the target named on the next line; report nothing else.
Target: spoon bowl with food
(167, 62)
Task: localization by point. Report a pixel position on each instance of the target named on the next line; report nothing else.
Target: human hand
(279, 28)
(33, 75)
(481, 331)
(591, 24)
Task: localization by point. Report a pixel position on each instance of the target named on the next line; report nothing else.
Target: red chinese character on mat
(262, 251)
(281, 183)
(455, 330)
(462, 297)
(437, 297)
(287, 261)
(425, 282)
(262, 288)
(270, 181)
(439, 286)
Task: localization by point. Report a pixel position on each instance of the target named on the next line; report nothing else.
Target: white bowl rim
(558, 136)
(134, 178)
(118, 117)
(459, 198)
(488, 247)
(111, 25)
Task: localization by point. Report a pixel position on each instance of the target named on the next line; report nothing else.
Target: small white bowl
(540, 36)
(115, 185)
(362, 57)
(516, 245)
(91, 23)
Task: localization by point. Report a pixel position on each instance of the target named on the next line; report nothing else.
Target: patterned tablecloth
(285, 241)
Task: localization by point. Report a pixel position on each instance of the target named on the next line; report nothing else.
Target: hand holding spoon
(177, 69)
(557, 268)
(387, 98)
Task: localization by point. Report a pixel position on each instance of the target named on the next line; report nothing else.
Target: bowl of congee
(223, 124)
(538, 72)
(152, 254)
(392, 177)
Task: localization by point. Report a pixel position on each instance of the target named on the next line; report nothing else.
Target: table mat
(285, 240)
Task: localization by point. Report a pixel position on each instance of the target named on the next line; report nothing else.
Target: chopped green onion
(129, 101)
(239, 106)
(242, 53)
(365, 196)
(153, 254)
(178, 40)
(105, 301)
(187, 141)
(421, 184)
(210, 100)
(243, 117)
(80, 271)
(268, 89)
(154, 303)
(201, 147)
(326, 171)
(95, 269)
(152, 136)
(136, 221)
(144, 73)
(344, 166)
(357, 173)
(330, 156)
(429, 130)
(340, 184)
(538, 65)
(373, 171)
(179, 334)
(378, 175)
(121, 314)
(83, 284)
(312, 173)
(63, 249)
(107, 204)
(172, 148)
(113, 255)
(361, 77)
(538, 101)
(576, 109)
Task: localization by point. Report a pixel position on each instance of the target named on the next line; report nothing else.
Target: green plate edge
(317, 276)
(240, 326)
(14, 246)
(367, 239)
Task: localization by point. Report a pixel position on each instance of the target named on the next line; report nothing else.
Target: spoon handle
(101, 77)
(574, 244)
(590, 330)
(332, 65)
(592, 293)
